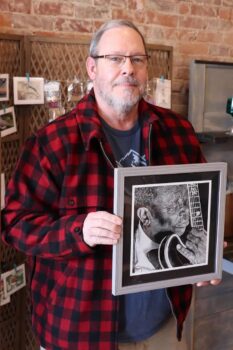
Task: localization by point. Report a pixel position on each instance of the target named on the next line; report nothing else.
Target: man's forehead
(173, 192)
(121, 38)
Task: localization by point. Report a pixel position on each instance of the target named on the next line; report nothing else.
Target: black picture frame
(198, 190)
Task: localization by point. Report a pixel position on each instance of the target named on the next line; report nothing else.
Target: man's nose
(127, 66)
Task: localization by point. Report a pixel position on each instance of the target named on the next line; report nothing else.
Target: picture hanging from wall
(14, 280)
(7, 121)
(4, 299)
(28, 90)
(3, 190)
(4, 87)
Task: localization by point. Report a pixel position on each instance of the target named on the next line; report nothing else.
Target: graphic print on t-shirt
(132, 158)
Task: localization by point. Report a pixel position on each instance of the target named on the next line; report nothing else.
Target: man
(59, 203)
(164, 237)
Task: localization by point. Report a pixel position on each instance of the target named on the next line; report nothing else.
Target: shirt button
(76, 229)
(71, 202)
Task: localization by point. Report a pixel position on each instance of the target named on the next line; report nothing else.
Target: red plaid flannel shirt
(62, 175)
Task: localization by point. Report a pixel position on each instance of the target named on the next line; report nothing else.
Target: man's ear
(91, 67)
(144, 216)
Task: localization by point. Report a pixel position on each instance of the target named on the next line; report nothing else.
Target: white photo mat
(8, 124)
(14, 279)
(28, 90)
(4, 87)
(3, 190)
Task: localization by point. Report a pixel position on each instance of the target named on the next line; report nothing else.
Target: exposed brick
(180, 86)
(192, 22)
(168, 6)
(31, 23)
(228, 40)
(5, 20)
(22, 6)
(6, 5)
(52, 8)
(135, 4)
(181, 72)
(193, 48)
(210, 2)
(184, 9)
(154, 34)
(117, 3)
(197, 29)
(227, 3)
(154, 17)
(71, 25)
(90, 12)
(226, 25)
(203, 10)
(218, 50)
(209, 37)
(225, 13)
(187, 35)
(136, 17)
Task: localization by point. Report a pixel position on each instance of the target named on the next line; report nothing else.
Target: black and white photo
(3, 190)
(7, 121)
(28, 90)
(168, 231)
(173, 225)
(14, 279)
(4, 87)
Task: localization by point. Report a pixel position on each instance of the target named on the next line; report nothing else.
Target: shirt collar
(89, 121)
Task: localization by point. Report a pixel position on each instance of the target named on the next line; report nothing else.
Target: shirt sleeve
(32, 221)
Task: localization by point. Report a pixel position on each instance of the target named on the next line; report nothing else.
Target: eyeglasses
(138, 61)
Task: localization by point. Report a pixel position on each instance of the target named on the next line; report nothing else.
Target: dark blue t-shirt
(141, 314)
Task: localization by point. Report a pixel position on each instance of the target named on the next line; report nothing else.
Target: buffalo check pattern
(64, 172)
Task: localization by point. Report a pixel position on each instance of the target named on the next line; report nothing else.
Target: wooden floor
(213, 316)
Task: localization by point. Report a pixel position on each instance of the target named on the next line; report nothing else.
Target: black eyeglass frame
(118, 55)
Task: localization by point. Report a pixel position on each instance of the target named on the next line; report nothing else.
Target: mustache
(127, 80)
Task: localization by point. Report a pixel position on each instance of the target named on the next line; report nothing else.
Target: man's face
(118, 87)
(170, 212)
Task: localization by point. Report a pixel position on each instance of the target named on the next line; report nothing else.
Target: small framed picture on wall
(7, 121)
(3, 190)
(28, 91)
(4, 87)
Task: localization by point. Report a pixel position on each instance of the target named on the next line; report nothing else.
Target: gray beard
(119, 105)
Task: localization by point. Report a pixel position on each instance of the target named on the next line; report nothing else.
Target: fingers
(102, 228)
(199, 233)
(189, 255)
(207, 283)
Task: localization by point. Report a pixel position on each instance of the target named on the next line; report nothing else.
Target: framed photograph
(4, 87)
(28, 91)
(14, 279)
(4, 299)
(7, 121)
(3, 190)
(173, 225)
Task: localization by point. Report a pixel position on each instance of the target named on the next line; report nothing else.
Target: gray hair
(115, 23)
(156, 198)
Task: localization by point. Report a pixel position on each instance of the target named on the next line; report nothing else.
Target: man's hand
(195, 251)
(196, 244)
(101, 227)
(213, 282)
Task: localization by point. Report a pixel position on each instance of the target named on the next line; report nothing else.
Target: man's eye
(115, 59)
(137, 60)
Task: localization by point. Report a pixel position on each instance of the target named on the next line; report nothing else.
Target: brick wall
(197, 29)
